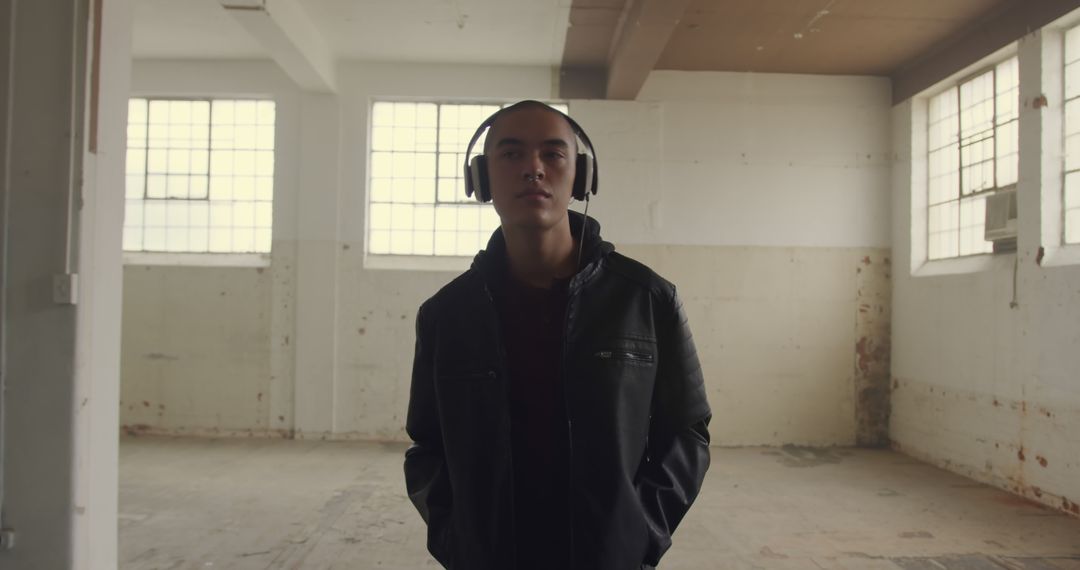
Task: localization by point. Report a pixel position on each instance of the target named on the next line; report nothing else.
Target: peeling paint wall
(873, 349)
(760, 197)
(986, 351)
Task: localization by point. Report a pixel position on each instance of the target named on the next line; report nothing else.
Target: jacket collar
(491, 262)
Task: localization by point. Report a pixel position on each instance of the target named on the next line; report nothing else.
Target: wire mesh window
(416, 198)
(1071, 199)
(200, 175)
(973, 145)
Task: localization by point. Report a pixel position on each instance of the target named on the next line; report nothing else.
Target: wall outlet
(65, 288)
(7, 539)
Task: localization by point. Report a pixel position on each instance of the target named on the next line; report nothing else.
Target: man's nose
(534, 168)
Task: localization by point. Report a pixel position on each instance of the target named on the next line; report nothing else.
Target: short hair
(521, 106)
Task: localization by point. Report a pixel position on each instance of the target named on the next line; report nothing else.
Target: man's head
(531, 152)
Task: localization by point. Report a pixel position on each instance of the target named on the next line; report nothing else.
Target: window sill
(197, 259)
(454, 264)
(965, 265)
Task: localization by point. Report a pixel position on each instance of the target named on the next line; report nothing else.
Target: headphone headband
(476, 172)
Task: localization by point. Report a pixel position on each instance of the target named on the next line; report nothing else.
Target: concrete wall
(211, 350)
(63, 195)
(985, 354)
(765, 198)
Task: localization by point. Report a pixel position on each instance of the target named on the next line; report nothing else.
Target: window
(1071, 199)
(972, 143)
(200, 175)
(416, 199)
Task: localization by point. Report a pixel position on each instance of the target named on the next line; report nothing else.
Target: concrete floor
(275, 504)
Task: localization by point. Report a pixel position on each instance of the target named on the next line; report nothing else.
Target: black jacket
(635, 401)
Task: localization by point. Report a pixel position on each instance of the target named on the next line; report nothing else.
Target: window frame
(989, 65)
(1065, 135)
(207, 258)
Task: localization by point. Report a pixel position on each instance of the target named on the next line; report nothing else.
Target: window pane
(1072, 207)
(401, 242)
(380, 217)
(201, 155)
(1072, 152)
(1072, 80)
(379, 242)
(1072, 45)
(445, 242)
(1072, 117)
(134, 186)
(381, 190)
(1072, 226)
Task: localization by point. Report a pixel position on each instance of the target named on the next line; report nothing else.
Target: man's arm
(426, 478)
(678, 451)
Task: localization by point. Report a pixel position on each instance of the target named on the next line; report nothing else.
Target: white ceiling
(196, 29)
(518, 32)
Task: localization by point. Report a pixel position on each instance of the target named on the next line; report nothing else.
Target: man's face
(531, 160)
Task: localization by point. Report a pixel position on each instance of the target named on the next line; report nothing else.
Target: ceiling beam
(291, 39)
(643, 34)
(997, 29)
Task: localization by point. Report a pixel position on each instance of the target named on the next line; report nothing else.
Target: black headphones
(586, 171)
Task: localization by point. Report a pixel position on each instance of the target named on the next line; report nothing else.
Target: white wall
(722, 181)
(984, 387)
(742, 159)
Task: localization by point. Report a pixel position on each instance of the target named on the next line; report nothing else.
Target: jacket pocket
(628, 356)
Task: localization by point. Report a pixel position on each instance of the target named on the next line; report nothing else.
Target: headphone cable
(581, 237)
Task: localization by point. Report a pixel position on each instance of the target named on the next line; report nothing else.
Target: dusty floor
(272, 504)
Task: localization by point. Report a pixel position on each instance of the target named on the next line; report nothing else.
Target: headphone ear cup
(476, 182)
(583, 175)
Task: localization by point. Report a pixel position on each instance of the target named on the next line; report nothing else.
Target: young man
(557, 407)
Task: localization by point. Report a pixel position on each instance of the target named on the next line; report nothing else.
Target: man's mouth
(534, 192)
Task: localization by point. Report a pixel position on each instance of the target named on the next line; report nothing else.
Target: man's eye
(511, 154)
(555, 154)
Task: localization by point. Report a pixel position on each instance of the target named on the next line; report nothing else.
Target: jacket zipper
(569, 427)
(624, 355)
(501, 349)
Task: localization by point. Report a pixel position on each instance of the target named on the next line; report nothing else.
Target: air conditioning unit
(1001, 216)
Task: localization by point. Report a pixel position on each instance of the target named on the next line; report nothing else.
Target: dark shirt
(532, 322)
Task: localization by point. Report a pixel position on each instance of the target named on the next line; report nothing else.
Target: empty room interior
(220, 218)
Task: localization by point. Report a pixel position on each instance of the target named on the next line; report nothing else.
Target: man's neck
(538, 257)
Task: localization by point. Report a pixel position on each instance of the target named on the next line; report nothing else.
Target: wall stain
(160, 356)
(872, 375)
(916, 534)
(800, 457)
(135, 430)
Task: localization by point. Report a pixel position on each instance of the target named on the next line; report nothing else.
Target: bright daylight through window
(416, 198)
(1072, 136)
(973, 141)
(200, 176)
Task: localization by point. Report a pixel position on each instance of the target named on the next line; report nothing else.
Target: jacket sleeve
(426, 477)
(677, 456)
